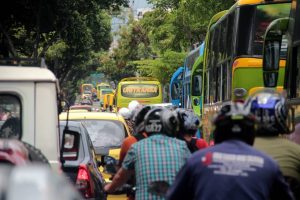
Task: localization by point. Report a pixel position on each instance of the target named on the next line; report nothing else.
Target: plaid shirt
(156, 158)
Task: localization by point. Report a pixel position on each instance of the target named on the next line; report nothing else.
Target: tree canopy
(69, 33)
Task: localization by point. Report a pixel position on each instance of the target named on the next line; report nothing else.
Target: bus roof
(103, 84)
(249, 2)
(139, 79)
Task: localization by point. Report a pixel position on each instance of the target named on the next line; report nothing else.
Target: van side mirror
(69, 147)
(271, 51)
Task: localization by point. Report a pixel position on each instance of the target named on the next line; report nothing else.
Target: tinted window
(265, 14)
(139, 90)
(176, 90)
(106, 92)
(297, 52)
(105, 133)
(197, 85)
(10, 116)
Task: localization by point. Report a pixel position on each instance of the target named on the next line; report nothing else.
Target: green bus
(233, 55)
(197, 73)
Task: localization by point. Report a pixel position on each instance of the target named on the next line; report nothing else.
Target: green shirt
(286, 153)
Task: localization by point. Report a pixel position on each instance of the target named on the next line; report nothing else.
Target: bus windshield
(107, 91)
(250, 38)
(264, 15)
(139, 90)
(87, 89)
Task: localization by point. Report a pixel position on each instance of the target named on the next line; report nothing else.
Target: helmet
(138, 119)
(161, 120)
(234, 121)
(188, 121)
(13, 152)
(270, 110)
(125, 113)
(133, 105)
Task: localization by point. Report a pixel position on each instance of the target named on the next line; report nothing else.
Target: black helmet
(161, 120)
(188, 122)
(234, 121)
(270, 110)
(138, 119)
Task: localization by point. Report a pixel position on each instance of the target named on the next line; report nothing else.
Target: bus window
(197, 85)
(297, 63)
(139, 90)
(176, 90)
(265, 14)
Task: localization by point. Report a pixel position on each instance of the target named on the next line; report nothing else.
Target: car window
(105, 133)
(90, 145)
(10, 116)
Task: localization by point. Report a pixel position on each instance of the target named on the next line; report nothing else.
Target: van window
(10, 116)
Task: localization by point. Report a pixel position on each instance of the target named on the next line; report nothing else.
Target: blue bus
(186, 81)
(176, 87)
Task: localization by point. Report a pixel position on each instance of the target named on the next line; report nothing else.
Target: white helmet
(133, 105)
(125, 113)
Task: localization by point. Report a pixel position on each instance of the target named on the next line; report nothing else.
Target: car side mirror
(271, 51)
(69, 147)
(109, 163)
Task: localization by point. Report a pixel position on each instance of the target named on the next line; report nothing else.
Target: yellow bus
(145, 90)
(233, 55)
(86, 90)
(101, 86)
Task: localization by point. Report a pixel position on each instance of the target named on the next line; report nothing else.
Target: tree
(162, 67)
(69, 33)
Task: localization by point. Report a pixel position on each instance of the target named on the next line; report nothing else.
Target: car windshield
(105, 133)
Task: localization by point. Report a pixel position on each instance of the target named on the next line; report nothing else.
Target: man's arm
(124, 172)
(280, 188)
(119, 179)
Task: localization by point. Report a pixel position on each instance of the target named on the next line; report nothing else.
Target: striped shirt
(156, 158)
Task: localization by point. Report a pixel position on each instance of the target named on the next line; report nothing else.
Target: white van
(29, 96)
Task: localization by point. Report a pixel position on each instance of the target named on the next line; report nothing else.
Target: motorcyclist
(138, 134)
(271, 111)
(231, 169)
(188, 127)
(126, 114)
(154, 160)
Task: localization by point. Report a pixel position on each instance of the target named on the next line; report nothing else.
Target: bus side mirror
(271, 51)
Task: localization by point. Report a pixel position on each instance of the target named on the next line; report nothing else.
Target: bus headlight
(239, 92)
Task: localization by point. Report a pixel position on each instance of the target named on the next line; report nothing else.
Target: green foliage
(161, 68)
(69, 33)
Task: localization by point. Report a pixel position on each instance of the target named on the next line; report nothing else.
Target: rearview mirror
(69, 147)
(271, 51)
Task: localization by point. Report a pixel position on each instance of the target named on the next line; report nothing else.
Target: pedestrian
(188, 127)
(232, 168)
(156, 159)
(270, 109)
